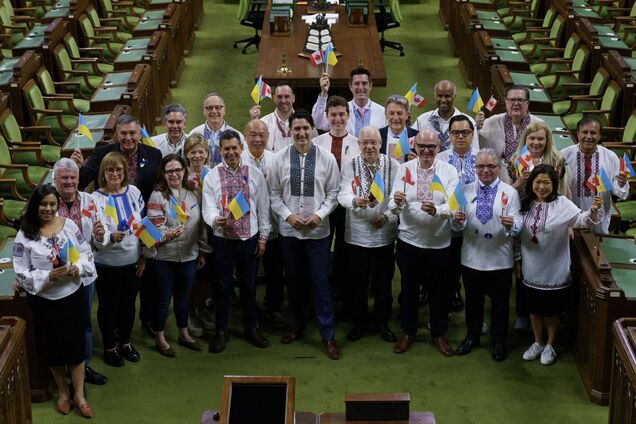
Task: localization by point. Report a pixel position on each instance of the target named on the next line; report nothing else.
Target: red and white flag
(316, 58)
(591, 182)
(419, 100)
(492, 102)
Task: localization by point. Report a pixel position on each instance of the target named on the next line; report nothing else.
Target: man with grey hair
(80, 208)
(489, 224)
(214, 125)
(396, 111)
(438, 120)
(174, 118)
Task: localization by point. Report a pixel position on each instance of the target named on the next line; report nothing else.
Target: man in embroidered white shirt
(585, 161)
(303, 186)
(278, 121)
(362, 110)
(174, 121)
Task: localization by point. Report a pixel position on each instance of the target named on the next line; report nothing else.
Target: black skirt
(60, 327)
(545, 303)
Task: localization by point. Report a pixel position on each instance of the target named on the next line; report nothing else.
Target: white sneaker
(548, 356)
(533, 352)
(194, 327)
(484, 328)
(522, 324)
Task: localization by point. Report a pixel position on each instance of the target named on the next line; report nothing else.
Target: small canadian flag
(492, 102)
(316, 58)
(419, 100)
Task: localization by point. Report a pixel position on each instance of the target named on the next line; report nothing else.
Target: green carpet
(470, 389)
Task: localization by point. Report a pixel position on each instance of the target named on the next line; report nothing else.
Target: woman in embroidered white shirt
(50, 258)
(545, 254)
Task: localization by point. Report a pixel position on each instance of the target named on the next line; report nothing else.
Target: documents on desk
(331, 18)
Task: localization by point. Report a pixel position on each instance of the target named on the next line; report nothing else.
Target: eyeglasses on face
(112, 171)
(173, 171)
(429, 147)
(489, 166)
(463, 133)
(518, 101)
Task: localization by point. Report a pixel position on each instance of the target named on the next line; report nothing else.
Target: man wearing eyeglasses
(502, 132)
(489, 224)
(420, 196)
(214, 125)
(463, 158)
(438, 120)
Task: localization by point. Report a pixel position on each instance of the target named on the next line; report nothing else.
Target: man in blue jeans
(303, 186)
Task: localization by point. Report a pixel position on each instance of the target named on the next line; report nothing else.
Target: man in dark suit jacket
(396, 111)
(128, 136)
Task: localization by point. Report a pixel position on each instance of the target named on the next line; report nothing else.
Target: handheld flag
(69, 253)
(204, 172)
(316, 58)
(239, 206)
(603, 183)
(329, 56)
(626, 165)
(111, 210)
(407, 178)
(176, 211)
(402, 148)
(476, 103)
(145, 138)
(377, 187)
(524, 159)
(504, 199)
(83, 129)
(591, 182)
(419, 101)
(148, 233)
(261, 90)
(492, 102)
(436, 185)
(355, 183)
(410, 95)
(458, 199)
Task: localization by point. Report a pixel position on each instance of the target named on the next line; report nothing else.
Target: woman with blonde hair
(196, 152)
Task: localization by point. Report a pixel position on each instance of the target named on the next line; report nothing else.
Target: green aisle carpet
(470, 389)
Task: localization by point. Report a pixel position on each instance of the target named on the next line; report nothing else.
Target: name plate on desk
(377, 406)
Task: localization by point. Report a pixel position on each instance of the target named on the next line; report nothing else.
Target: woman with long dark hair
(545, 254)
(51, 258)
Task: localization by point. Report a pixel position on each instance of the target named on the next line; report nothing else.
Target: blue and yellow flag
(146, 139)
(402, 148)
(436, 185)
(329, 56)
(111, 209)
(458, 199)
(83, 129)
(603, 182)
(148, 233)
(69, 253)
(177, 212)
(475, 103)
(377, 187)
(261, 90)
(626, 165)
(239, 206)
(410, 95)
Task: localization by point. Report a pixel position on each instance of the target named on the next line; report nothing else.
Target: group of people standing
(452, 208)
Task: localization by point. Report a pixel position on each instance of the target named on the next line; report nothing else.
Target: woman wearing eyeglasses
(175, 210)
(119, 262)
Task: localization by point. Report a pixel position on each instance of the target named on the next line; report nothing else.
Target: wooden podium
(15, 402)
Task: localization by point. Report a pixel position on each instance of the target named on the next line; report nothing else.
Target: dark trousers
(274, 283)
(495, 284)
(146, 300)
(229, 253)
(90, 291)
(314, 253)
(430, 266)
(375, 265)
(172, 280)
(338, 266)
(520, 298)
(117, 289)
(455, 264)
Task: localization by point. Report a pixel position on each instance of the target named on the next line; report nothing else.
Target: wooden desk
(355, 45)
(43, 38)
(605, 282)
(187, 27)
(14, 73)
(491, 51)
(15, 405)
(414, 418)
(502, 78)
(573, 11)
(622, 404)
(69, 11)
(622, 70)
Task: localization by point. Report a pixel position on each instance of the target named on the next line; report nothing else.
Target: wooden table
(604, 274)
(14, 73)
(43, 38)
(355, 45)
(339, 418)
(622, 69)
(622, 406)
(502, 78)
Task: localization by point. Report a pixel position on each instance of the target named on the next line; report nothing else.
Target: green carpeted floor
(470, 389)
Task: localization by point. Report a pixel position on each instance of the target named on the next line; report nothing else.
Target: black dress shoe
(93, 377)
(499, 352)
(189, 345)
(387, 335)
(466, 346)
(355, 333)
(113, 358)
(217, 345)
(276, 319)
(255, 337)
(291, 336)
(457, 303)
(130, 353)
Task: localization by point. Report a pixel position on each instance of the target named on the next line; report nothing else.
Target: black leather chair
(251, 14)
(388, 16)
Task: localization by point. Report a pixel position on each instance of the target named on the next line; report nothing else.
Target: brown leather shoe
(255, 337)
(443, 346)
(331, 349)
(217, 345)
(404, 343)
(291, 336)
